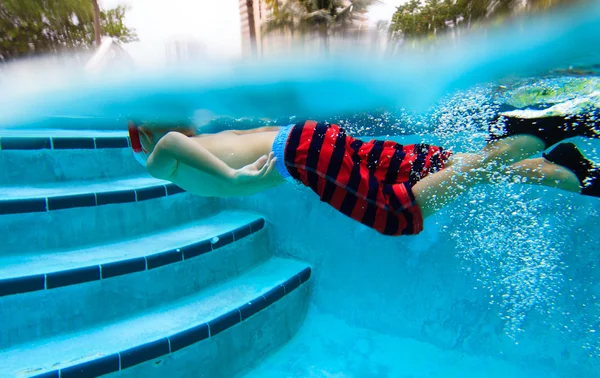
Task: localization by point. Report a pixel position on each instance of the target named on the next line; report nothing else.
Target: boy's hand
(147, 140)
(255, 171)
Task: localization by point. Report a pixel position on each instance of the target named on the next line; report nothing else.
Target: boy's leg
(441, 188)
(541, 172)
(538, 171)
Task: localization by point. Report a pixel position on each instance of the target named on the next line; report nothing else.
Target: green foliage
(421, 18)
(29, 27)
(274, 4)
(113, 26)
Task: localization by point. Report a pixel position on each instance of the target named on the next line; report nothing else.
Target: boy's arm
(176, 148)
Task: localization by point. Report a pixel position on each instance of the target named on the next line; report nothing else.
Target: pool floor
(328, 347)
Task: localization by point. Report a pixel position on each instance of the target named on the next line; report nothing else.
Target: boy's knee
(513, 148)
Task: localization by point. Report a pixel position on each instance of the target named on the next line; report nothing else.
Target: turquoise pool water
(503, 282)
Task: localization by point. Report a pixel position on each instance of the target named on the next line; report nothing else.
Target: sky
(214, 23)
(384, 10)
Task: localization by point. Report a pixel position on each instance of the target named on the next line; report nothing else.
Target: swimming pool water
(508, 272)
(503, 282)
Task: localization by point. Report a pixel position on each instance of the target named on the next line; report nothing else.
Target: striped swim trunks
(370, 182)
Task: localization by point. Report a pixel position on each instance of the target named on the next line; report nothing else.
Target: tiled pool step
(26, 273)
(58, 196)
(64, 292)
(34, 167)
(64, 155)
(195, 321)
(73, 228)
(61, 139)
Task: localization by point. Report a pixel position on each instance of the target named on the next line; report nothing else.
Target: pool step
(105, 270)
(26, 273)
(119, 138)
(78, 227)
(56, 139)
(214, 333)
(63, 155)
(69, 290)
(67, 195)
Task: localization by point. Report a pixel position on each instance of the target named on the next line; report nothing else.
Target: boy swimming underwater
(382, 184)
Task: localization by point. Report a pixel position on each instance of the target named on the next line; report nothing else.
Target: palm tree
(273, 4)
(315, 16)
(285, 17)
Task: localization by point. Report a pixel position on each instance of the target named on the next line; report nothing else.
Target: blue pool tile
(223, 240)
(143, 353)
(93, 368)
(50, 374)
(68, 202)
(164, 258)
(223, 322)
(196, 249)
(19, 206)
(252, 307)
(122, 196)
(9, 286)
(304, 275)
(114, 142)
(120, 268)
(72, 276)
(20, 143)
(150, 193)
(173, 189)
(73, 143)
(242, 232)
(274, 295)
(188, 337)
(257, 225)
(291, 284)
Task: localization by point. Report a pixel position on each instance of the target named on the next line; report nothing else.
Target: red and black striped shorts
(370, 182)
